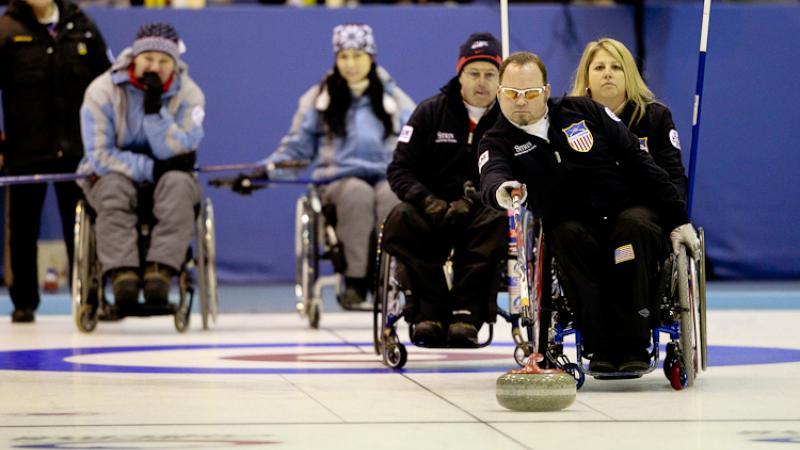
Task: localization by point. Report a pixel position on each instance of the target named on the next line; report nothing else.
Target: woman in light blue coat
(348, 126)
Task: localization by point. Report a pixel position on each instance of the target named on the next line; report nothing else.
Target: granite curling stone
(535, 389)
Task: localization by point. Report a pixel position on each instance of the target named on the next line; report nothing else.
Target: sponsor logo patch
(624, 253)
(23, 38)
(82, 50)
(579, 137)
(523, 148)
(479, 44)
(445, 137)
(405, 134)
(482, 160)
(674, 139)
(643, 144)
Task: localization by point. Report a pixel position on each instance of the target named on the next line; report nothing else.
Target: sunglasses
(529, 94)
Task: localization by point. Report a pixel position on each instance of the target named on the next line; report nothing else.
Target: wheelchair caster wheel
(577, 372)
(522, 353)
(87, 318)
(182, 319)
(395, 355)
(313, 316)
(669, 360)
(678, 378)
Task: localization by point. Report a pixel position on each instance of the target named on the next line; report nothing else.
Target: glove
(460, 208)
(435, 208)
(243, 185)
(184, 163)
(457, 211)
(503, 194)
(685, 235)
(153, 88)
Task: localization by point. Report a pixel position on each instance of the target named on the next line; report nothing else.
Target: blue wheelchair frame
(682, 317)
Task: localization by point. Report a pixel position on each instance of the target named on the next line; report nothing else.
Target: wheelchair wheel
(395, 354)
(701, 286)
(383, 290)
(688, 353)
(523, 352)
(525, 265)
(206, 264)
(85, 272)
(306, 261)
(673, 368)
(378, 305)
(314, 315)
(182, 316)
(183, 311)
(387, 306)
(544, 293)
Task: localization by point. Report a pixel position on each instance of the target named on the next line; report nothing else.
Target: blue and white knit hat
(157, 37)
(356, 36)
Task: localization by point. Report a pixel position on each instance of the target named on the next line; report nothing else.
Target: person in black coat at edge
(603, 201)
(434, 172)
(49, 53)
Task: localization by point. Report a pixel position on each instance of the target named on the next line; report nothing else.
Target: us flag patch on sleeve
(405, 134)
(624, 253)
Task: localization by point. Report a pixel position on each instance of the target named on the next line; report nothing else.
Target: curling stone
(535, 389)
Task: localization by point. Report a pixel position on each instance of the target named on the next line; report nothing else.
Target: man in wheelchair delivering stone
(605, 207)
(141, 123)
(434, 172)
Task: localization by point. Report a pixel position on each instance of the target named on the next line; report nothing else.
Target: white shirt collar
(475, 112)
(538, 128)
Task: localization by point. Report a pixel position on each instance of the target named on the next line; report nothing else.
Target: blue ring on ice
(55, 359)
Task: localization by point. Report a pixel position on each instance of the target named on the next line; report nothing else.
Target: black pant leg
(636, 244)
(578, 249)
(422, 251)
(23, 219)
(478, 253)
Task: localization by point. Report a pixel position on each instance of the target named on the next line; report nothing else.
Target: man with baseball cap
(434, 172)
(142, 121)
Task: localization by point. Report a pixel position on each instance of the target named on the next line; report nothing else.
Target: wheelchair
(315, 242)
(390, 295)
(680, 304)
(89, 303)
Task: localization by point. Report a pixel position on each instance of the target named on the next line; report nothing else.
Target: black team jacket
(593, 167)
(658, 136)
(436, 152)
(43, 79)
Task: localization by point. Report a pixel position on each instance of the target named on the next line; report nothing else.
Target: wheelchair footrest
(616, 375)
(108, 313)
(145, 310)
(363, 306)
